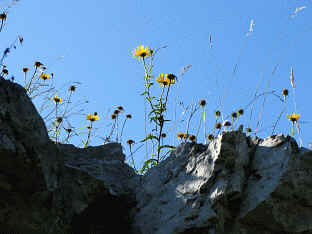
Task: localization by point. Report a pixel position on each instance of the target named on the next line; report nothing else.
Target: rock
(234, 185)
(230, 186)
(49, 187)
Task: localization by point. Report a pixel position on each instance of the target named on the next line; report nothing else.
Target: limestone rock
(53, 188)
(230, 186)
(234, 185)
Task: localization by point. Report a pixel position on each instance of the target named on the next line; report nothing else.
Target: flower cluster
(93, 117)
(165, 80)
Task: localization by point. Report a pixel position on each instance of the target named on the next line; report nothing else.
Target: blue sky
(91, 43)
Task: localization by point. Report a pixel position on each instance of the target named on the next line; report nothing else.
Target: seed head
(130, 142)
(37, 64)
(192, 138)
(25, 69)
(285, 92)
(128, 116)
(217, 113)
(120, 108)
(3, 16)
(59, 119)
(116, 112)
(72, 88)
(218, 126)
(69, 130)
(163, 135)
(227, 123)
(202, 103)
(210, 137)
(234, 115)
(113, 116)
(248, 130)
(5, 71)
(240, 112)
(171, 76)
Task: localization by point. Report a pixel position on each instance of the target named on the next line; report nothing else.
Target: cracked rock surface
(234, 185)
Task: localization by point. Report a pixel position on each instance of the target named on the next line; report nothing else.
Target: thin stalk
(89, 135)
(123, 126)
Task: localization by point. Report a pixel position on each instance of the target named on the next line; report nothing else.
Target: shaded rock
(234, 185)
(46, 187)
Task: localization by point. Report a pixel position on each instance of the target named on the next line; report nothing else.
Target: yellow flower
(165, 80)
(57, 99)
(141, 52)
(293, 117)
(92, 118)
(180, 135)
(161, 79)
(45, 76)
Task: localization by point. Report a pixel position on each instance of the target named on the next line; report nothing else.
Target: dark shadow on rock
(107, 214)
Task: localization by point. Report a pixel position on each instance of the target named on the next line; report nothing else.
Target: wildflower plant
(157, 104)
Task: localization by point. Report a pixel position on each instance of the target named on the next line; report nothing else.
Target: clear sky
(91, 42)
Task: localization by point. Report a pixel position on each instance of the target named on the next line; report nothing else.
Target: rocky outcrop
(234, 185)
(57, 188)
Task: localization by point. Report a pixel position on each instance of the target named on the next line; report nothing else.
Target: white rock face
(233, 185)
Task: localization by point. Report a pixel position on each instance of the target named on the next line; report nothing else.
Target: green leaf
(148, 85)
(149, 137)
(148, 164)
(144, 93)
(167, 146)
(83, 127)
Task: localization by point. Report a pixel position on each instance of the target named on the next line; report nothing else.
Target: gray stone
(234, 185)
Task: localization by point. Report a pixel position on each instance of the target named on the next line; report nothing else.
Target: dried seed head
(218, 126)
(25, 69)
(72, 88)
(217, 113)
(59, 119)
(248, 130)
(234, 115)
(116, 112)
(227, 123)
(120, 108)
(69, 130)
(171, 76)
(240, 112)
(3, 16)
(113, 116)
(192, 138)
(128, 116)
(130, 142)
(5, 71)
(37, 64)
(163, 135)
(202, 102)
(285, 92)
(210, 137)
